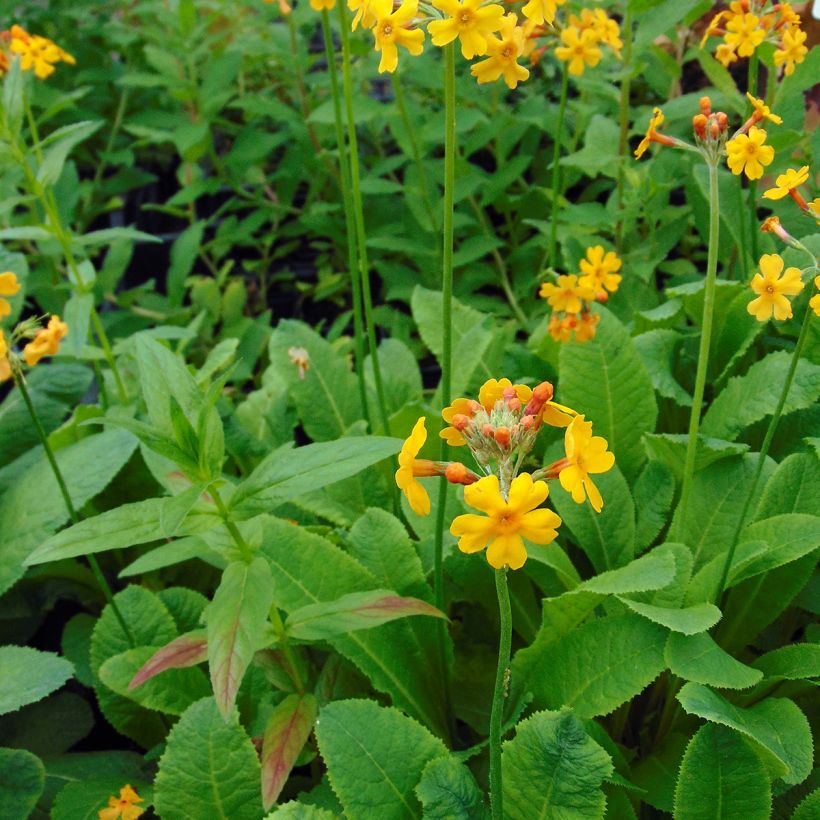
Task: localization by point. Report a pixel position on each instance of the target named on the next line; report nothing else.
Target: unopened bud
(487, 431)
(460, 421)
(541, 393)
(705, 106)
(509, 393)
(475, 406)
(527, 422)
(699, 125)
(424, 468)
(722, 120)
(602, 296)
(502, 436)
(457, 473)
(714, 130)
(514, 404)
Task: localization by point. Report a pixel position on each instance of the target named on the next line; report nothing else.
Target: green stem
(500, 692)
(556, 169)
(744, 262)
(72, 512)
(623, 116)
(350, 229)
(764, 449)
(358, 214)
(703, 353)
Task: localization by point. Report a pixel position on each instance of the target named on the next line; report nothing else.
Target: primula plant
(409, 410)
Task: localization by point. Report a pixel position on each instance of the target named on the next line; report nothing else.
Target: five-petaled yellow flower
(9, 286)
(762, 111)
(585, 454)
(787, 182)
(791, 51)
(364, 13)
(502, 55)
(506, 523)
(37, 53)
(744, 33)
(390, 32)
(122, 807)
(567, 295)
(46, 342)
(541, 11)
(748, 153)
(651, 132)
(492, 391)
(725, 54)
(410, 468)
(772, 289)
(459, 407)
(469, 21)
(600, 272)
(579, 49)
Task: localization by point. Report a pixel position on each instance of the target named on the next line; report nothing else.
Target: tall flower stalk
(556, 168)
(502, 673)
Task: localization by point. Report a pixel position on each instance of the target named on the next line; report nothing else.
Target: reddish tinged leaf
(186, 650)
(358, 610)
(287, 732)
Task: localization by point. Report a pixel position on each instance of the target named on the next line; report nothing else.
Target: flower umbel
(507, 522)
(122, 807)
(772, 289)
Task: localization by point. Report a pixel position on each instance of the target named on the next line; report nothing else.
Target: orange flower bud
(699, 125)
(722, 120)
(527, 422)
(460, 421)
(509, 393)
(514, 404)
(487, 431)
(705, 106)
(502, 436)
(457, 473)
(475, 406)
(541, 393)
(714, 130)
(602, 297)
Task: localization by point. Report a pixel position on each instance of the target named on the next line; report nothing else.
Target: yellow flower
(762, 111)
(123, 806)
(37, 53)
(492, 391)
(580, 49)
(364, 13)
(5, 366)
(585, 454)
(567, 294)
(558, 329)
(503, 55)
(788, 16)
(713, 27)
(772, 288)
(9, 286)
(46, 342)
(748, 153)
(459, 407)
(814, 302)
(651, 133)
(725, 54)
(791, 51)
(410, 467)
(541, 11)
(469, 21)
(599, 271)
(390, 32)
(744, 33)
(787, 182)
(318, 5)
(604, 28)
(507, 522)
(587, 326)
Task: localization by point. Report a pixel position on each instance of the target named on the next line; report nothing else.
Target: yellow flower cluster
(37, 54)
(571, 296)
(582, 38)
(500, 429)
(746, 24)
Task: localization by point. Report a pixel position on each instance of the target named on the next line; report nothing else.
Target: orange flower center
(465, 17)
(769, 288)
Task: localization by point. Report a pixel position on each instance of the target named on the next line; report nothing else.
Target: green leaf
(22, 780)
(209, 768)
(448, 791)
(400, 375)
(290, 472)
(375, 757)
(286, 733)
(236, 620)
(809, 807)
(606, 380)
(83, 799)
(698, 658)
(597, 667)
(183, 255)
(554, 769)
(59, 144)
(29, 675)
(186, 650)
(775, 723)
(653, 494)
(176, 508)
(76, 645)
(300, 811)
(752, 397)
(800, 661)
(33, 508)
(652, 571)
(657, 351)
(77, 315)
(721, 778)
(793, 488)
(689, 621)
(670, 450)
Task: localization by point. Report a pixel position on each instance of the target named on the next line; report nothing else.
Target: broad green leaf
(286, 733)
(689, 620)
(375, 757)
(752, 397)
(300, 811)
(721, 778)
(809, 807)
(400, 374)
(698, 658)
(76, 646)
(793, 488)
(308, 569)
(186, 650)
(183, 255)
(800, 661)
(176, 508)
(597, 667)
(554, 769)
(33, 508)
(83, 799)
(171, 553)
(185, 605)
(210, 768)
(448, 791)
(291, 472)
(775, 723)
(58, 145)
(608, 537)
(657, 351)
(22, 779)
(657, 772)
(236, 620)
(29, 675)
(649, 572)
(50, 726)
(172, 693)
(670, 450)
(653, 493)
(606, 380)
(77, 315)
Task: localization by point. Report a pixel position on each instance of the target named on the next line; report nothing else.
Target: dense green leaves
(22, 779)
(29, 675)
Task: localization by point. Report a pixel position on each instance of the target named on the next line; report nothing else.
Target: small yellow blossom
(587, 326)
(469, 21)
(502, 55)
(364, 13)
(600, 272)
(725, 54)
(46, 342)
(410, 468)
(713, 28)
(772, 289)
(492, 391)
(762, 111)
(567, 294)
(506, 522)
(9, 286)
(744, 33)
(541, 11)
(585, 454)
(459, 407)
(787, 182)
(558, 330)
(5, 365)
(792, 51)
(652, 135)
(748, 153)
(319, 5)
(814, 302)
(37, 53)
(580, 49)
(122, 807)
(605, 29)
(390, 32)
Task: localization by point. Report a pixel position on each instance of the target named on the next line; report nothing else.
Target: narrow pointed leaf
(186, 650)
(689, 621)
(698, 658)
